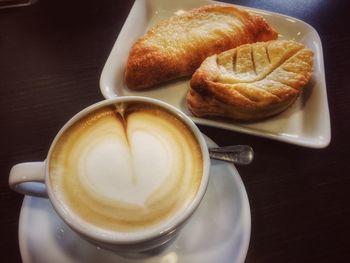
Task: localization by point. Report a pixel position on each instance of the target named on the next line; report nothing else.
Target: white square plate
(306, 123)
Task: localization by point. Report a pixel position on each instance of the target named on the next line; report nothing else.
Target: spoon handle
(238, 154)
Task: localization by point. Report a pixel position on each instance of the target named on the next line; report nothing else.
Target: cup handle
(28, 179)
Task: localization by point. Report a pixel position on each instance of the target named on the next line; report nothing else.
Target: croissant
(250, 82)
(177, 46)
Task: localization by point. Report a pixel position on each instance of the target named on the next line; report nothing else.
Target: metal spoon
(238, 154)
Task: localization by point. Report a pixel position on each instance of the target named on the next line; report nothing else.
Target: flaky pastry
(250, 82)
(177, 46)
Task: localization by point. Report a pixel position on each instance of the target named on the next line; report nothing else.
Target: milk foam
(115, 169)
(127, 174)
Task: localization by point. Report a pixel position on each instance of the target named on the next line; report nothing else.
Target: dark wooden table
(51, 58)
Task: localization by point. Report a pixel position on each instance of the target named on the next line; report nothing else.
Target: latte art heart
(127, 170)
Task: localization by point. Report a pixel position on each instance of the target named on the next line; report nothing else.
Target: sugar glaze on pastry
(252, 81)
(177, 46)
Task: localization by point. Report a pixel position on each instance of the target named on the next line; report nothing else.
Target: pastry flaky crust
(250, 82)
(177, 46)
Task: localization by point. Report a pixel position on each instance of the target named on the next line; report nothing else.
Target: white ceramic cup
(33, 179)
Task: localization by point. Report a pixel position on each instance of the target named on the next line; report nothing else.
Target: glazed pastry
(177, 46)
(250, 82)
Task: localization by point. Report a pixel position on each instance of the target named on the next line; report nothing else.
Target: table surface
(51, 57)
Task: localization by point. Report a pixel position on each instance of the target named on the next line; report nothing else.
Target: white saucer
(219, 231)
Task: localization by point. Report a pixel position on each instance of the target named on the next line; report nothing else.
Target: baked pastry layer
(177, 46)
(252, 81)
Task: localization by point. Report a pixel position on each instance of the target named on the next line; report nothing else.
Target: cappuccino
(126, 167)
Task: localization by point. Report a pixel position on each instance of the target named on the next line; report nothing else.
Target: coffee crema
(126, 167)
